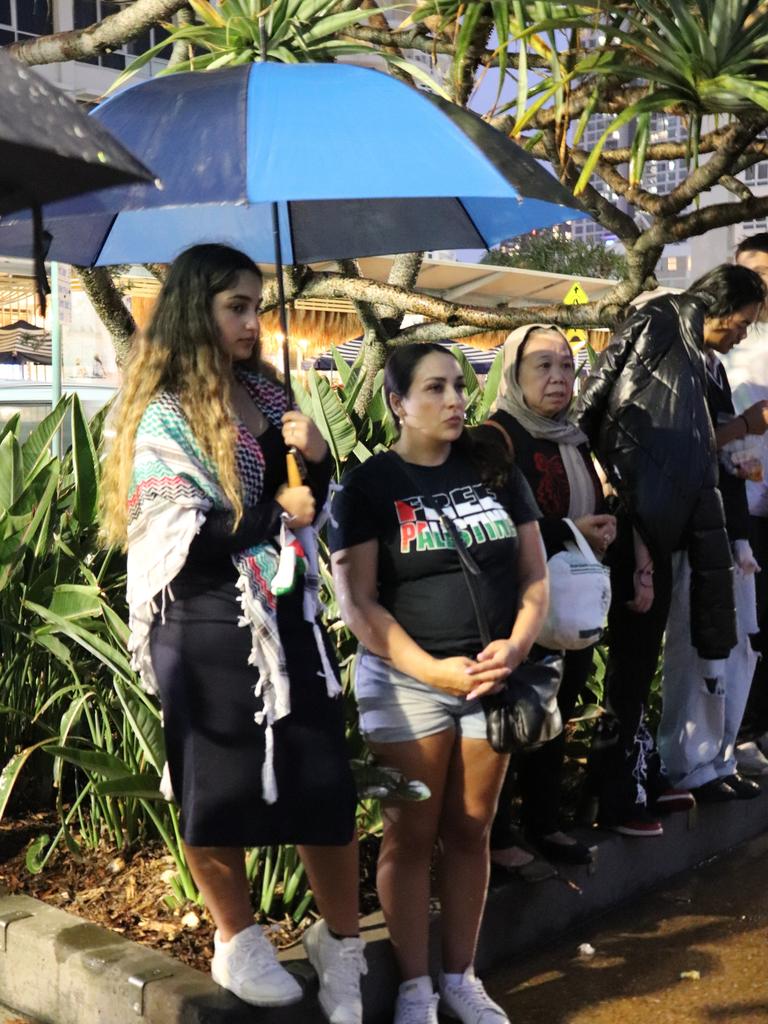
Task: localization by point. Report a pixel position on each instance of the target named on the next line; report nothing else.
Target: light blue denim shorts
(394, 707)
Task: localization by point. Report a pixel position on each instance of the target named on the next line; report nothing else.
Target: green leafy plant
(235, 32)
(706, 57)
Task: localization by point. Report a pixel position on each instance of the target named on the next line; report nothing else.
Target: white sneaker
(416, 1003)
(339, 964)
(248, 967)
(469, 1002)
(751, 760)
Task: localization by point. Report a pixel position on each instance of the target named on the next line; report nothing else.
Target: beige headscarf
(558, 429)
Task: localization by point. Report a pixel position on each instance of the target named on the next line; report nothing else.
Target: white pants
(703, 701)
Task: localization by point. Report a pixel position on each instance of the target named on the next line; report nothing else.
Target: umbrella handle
(294, 472)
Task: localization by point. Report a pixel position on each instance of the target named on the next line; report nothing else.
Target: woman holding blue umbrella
(223, 621)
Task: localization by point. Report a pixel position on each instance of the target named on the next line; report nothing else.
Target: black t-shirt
(419, 574)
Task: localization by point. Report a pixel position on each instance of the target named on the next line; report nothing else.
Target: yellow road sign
(576, 296)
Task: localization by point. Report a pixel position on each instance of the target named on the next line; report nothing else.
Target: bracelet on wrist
(744, 421)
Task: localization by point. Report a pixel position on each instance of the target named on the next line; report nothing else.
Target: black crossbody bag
(524, 714)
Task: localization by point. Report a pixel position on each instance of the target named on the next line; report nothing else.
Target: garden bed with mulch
(125, 891)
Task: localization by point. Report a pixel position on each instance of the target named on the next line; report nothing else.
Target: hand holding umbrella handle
(294, 464)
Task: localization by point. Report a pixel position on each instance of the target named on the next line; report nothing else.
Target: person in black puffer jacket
(644, 411)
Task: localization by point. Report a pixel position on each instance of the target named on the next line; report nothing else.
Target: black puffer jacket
(644, 411)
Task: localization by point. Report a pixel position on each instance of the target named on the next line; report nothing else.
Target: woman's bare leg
(410, 831)
(333, 873)
(219, 873)
(475, 776)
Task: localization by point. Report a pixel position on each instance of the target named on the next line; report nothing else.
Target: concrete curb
(62, 970)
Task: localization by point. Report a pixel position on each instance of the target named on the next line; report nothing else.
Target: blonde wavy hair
(179, 352)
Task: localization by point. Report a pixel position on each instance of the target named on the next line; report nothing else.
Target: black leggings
(623, 764)
(539, 772)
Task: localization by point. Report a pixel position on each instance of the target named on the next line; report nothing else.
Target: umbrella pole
(292, 462)
(282, 313)
(55, 353)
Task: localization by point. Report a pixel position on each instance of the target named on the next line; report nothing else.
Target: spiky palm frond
(696, 57)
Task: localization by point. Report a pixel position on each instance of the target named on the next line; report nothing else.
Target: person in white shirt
(748, 373)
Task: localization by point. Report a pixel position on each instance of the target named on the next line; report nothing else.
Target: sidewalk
(59, 969)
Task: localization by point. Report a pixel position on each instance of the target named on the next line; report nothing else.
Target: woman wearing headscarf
(532, 413)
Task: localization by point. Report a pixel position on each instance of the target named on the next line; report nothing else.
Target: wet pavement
(692, 952)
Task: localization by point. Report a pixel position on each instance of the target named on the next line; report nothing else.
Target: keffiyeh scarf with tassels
(173, 488)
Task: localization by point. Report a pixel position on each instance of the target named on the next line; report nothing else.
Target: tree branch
(603, 311)
(707, 218)
(110, 308)
(182, 48)
(108, 34)
(737, 136)
(735, 187)
(601, 209)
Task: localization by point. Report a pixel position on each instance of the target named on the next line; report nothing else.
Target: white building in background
(87, 80)
(685, 261)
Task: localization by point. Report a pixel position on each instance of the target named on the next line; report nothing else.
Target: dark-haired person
(645, 412)
(422, 666)
(195, 490)
(532, 410)
(703, 701)
(747, 370)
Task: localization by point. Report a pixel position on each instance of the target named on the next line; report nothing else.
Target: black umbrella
(50, 149)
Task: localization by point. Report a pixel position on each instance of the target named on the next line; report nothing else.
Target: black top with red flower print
(419, 574)
(542, 466)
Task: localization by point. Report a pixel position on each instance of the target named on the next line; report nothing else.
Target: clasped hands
(465, 677)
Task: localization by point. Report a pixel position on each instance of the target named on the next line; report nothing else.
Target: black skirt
(214, 747)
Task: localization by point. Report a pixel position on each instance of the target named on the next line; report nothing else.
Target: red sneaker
(672, 800)
(639, 827)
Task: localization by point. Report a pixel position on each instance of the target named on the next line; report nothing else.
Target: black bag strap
(469, 566)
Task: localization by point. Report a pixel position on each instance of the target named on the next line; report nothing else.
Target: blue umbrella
(299, 163)
(358, 163)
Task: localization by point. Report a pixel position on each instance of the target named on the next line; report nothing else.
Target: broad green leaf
(491, 389)
(301, 397)
(352, 391)
(12, 426)
(342, 366)
(12, 770)
(51, 643)
(418, 73)
(49, 478)
(36, 448)
(145, 722)
(377, 407)
(115, 660)
(145, 785)
(35, 858)
(470, 377)
(361, 452)
(117, 627)
(75, 601)
(96, 762)
(11, 471)
(86, 467)
(331, 418)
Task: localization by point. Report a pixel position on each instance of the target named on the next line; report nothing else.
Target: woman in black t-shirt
(422, 667)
